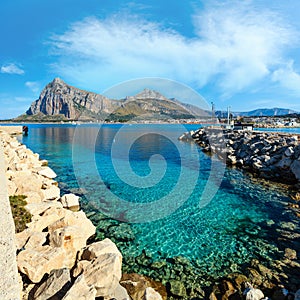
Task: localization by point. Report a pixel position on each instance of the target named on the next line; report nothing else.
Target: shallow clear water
(237, 224)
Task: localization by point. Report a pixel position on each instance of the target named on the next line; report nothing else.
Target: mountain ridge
(61, 101)
(59, 98)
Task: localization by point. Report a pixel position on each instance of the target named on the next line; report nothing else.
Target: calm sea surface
(169, 192)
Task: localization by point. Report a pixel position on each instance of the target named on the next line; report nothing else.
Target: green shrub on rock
(20, 214)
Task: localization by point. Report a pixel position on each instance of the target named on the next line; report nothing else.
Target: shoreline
(54, 257)
(231, 282)
(274, 156)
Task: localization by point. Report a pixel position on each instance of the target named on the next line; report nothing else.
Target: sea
(153, 193)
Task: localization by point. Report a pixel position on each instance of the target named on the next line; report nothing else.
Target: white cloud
(288, 77)
(33, 85)
(235, 47)
(12, 69)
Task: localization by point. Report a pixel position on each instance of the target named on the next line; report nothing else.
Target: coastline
(274, 156)
(232, 282)
(54, 257)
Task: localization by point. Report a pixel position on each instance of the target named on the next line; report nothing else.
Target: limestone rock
(151, 294)
(36, 240)
(253, 294)
(55, 286)
(80, 266)
(80, 290)
(96, 249)
(52, 193)
(119, 293)
(47, 172)
(70, 201)
(41, 207)
(136, 286)
(70, 238)
(104, 272)
(74, 219)
(35, 263)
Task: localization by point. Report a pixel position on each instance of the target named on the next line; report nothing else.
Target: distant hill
(267, 112)
(60, 101)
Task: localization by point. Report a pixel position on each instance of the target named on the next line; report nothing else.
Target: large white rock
(47, 172)
(96, 249)
(40, 208)
(52, 193)
(55, 285)
(70, 201)
(71, 238)
(26, 182)
(35, 263)
(151, 294)
(104, 272)
(74, 219)
(49, 217)
(253, 294)
(36, 240)
(80, 290)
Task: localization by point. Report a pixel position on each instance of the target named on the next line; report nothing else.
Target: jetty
(270, 155)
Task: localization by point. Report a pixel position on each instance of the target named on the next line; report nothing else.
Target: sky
(242, 54)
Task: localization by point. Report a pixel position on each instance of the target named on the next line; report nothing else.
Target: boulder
(80, 290)
(55, 286)
(136, 286)
(70, 201)
(74, 219)
(36, 240)
(52, 193)
(26, 182)
(96, 249)
(104, 272)
(295, 168)
(35, 263)
(70, 238)
(41, 207)
(119, 293)
(22, 237)
(49, 217)
(251, 293)
(47, 172)
(151, 294)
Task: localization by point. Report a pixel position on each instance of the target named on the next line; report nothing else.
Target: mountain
(266, 112)
(59, 98)
(61, 101)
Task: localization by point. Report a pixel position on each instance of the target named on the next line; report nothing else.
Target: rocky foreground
(57, 259)
(54, 258)
(273, 156)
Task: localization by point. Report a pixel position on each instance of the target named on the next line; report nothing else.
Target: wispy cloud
(235, 47)
(12, 69)
(34, 86)
(288, 77)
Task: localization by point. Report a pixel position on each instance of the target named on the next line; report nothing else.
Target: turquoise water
(177, 200)
(288, 130)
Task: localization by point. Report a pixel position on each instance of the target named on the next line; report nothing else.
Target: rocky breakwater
(273, 156)
(54, 257)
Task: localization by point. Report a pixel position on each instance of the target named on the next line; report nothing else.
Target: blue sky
(245, 54)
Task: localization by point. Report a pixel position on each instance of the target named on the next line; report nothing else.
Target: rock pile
(273, 156)
(53, 255)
